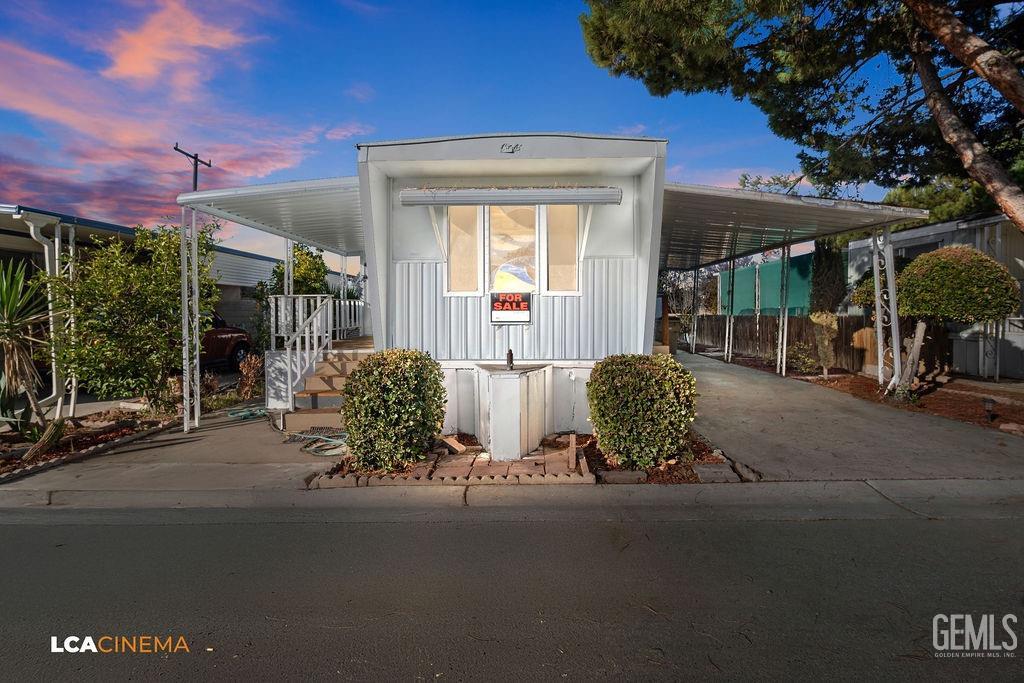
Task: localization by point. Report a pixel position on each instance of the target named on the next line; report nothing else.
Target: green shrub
(802, 359)
(641, 407)
(394, 406)
(958, 284)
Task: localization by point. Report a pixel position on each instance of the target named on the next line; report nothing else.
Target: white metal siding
(600, 322)
(235, 269)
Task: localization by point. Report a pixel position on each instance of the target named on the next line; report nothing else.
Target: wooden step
(302, 419)
(335, 368)
(323, 383)
(347, 354)
(310, 393)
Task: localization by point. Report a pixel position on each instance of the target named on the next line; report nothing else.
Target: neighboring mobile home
(975, 347)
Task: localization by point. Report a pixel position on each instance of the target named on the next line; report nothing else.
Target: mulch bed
(88, 433)
(694, 451)
(948, 401)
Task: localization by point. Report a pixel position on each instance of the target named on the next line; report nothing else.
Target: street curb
(98, 449)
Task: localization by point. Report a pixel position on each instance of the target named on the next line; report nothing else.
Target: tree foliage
(126, 303)
(957, 284)
(837, 78)
(828, 276)
(23, 319)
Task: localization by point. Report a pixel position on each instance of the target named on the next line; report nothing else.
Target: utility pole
(194, 158)
(191, 345)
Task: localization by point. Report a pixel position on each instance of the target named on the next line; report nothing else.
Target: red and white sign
(510, 307)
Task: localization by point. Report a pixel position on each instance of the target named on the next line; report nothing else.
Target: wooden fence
(854, 344)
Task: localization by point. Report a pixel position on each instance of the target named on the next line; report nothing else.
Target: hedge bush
(641, 407)
(394, 406)
(958, 284)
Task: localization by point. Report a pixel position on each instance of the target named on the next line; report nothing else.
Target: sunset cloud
(348, 130)
(103, 136)
(172, 47)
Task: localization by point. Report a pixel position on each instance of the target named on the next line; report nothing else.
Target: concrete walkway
(792, 430)
(223, 454)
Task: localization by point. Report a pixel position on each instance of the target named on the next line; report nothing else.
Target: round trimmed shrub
(394, 407)
(641, 407)
(958, 284)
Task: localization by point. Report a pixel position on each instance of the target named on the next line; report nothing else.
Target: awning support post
(886, 313)
(732, 308)
(782, 333)
(196, 321)
(186, 364)
(696, 311)
(49, 255)
(757, 308)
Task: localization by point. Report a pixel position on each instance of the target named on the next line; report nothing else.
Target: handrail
(316, 329)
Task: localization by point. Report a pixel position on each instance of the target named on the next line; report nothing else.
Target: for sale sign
(510, 307)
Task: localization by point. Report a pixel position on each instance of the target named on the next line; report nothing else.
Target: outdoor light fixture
(990, 405)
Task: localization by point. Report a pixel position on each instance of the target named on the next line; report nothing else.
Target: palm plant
(22, 310)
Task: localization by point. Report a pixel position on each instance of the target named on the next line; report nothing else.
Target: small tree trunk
(913, 357)
(985, 60)
(980, 165)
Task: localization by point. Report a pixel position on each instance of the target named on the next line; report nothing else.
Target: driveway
(792, 430)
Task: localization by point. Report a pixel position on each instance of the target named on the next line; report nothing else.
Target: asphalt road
(299, 594)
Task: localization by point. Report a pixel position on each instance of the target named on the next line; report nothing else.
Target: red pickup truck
(224, 344)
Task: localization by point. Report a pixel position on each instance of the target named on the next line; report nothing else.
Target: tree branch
(971, 49)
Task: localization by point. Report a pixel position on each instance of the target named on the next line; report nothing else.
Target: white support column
(757, 309)
(696, 310)
(894, 316)
(35, 227)
(186, 341)
(879, 326)
(782, 332)
(196, 322)
(72, 266)
(730, 316)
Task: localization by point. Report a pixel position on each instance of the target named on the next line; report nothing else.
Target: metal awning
(520, 196)
(703, 225)
(321, 213)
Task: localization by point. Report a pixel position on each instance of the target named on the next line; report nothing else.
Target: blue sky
(284, 91)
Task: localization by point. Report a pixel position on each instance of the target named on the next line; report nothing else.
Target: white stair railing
(287, 312)
(349, 315)
(306, 345)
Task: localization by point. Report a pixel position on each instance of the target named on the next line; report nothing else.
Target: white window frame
(481, 252)
(484, 252)
(487, 248)
(542, 255)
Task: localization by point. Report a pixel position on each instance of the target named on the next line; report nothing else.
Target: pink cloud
(348, 130)
(169, 46)
(361, 92)
(104, 146)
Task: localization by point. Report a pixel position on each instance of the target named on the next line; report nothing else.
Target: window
(563, 231)
(512, 249)
(464, 249)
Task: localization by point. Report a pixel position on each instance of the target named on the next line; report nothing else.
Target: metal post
(879, 325)
(731, 313)
(696, 310)
(72, 255)
(894, 317)
(757, 309)
(186, 365)
(782, 329)
(196, 320)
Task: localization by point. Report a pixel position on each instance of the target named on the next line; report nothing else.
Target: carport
(706, 226)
